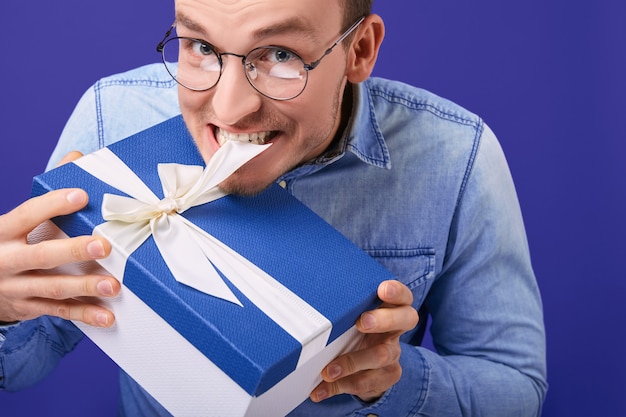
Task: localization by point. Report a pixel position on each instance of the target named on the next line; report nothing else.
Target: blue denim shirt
(418, 183)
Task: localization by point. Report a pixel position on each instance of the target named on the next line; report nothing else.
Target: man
(417, 182)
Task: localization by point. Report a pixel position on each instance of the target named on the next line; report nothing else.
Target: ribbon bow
(132, 220)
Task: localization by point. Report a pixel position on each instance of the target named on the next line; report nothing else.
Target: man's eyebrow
(190, 24)
(293, 26)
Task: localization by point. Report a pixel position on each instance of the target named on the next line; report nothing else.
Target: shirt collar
(365, 139)
(361, 137)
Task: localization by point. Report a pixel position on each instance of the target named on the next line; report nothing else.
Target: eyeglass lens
(275, 72)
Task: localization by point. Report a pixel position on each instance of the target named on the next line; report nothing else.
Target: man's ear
(364, 48)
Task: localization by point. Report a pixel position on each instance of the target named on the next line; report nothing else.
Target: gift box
(230, 305)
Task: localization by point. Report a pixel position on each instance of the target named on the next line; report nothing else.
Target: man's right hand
(28, 289)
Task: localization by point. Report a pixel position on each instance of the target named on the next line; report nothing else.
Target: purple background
(548, 77)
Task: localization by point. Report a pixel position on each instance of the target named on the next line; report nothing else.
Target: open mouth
(258, 138)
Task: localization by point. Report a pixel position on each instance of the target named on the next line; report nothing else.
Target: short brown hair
(354, 9)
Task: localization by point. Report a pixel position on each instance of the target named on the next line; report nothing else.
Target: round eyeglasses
(276, 72)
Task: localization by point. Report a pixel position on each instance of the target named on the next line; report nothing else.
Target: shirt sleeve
(32, 349)
(487, 322)
(116, 107)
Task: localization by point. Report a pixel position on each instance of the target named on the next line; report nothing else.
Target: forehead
(240, 21)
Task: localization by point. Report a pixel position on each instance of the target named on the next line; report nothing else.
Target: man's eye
(281, 56)
(203, 49)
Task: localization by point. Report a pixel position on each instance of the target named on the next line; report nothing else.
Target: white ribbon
(191, 254)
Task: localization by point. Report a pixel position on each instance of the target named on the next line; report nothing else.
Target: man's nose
(234, 97)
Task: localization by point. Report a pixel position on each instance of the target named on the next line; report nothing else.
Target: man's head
(299, 129)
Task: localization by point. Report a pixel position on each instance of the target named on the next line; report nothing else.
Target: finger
(388, 319)
(375, 357)
(367, 385)
(59, 287)
(395, 292)
(53, 253)
(72, 156)
(70, 309)
(25, 217)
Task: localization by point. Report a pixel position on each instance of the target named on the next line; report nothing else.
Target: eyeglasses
(276, 72)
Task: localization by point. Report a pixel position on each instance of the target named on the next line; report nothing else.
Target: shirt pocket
(415, 268)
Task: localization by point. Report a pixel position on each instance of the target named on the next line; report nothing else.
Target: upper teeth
(256, 138)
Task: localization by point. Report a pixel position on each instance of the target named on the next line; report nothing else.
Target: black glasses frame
(307, 67)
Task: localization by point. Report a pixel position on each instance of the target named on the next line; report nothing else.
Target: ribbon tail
(298, 318)
(125, 239)
(109, 168)
(228, 159)
(187, 262)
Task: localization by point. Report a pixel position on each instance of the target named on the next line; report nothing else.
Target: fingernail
(321, 394)
(75, 197)
(368, 321)
(102, 319)
(95, 249)
(104, 288)
(334, 371)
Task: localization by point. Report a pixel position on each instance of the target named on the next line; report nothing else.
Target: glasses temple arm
(160, 45)
(347, 33)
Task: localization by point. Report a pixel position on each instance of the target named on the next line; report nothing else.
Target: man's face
(300, 129)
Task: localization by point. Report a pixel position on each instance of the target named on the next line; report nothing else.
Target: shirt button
(283, 184)
(372, 415)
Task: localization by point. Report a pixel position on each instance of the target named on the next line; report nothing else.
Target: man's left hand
(374, 367)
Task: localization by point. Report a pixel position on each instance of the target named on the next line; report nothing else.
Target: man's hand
(27, 288)
(373, 368)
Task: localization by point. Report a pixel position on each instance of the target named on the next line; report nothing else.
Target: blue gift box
(274, 232)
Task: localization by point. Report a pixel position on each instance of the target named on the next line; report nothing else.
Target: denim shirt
(418, 183)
